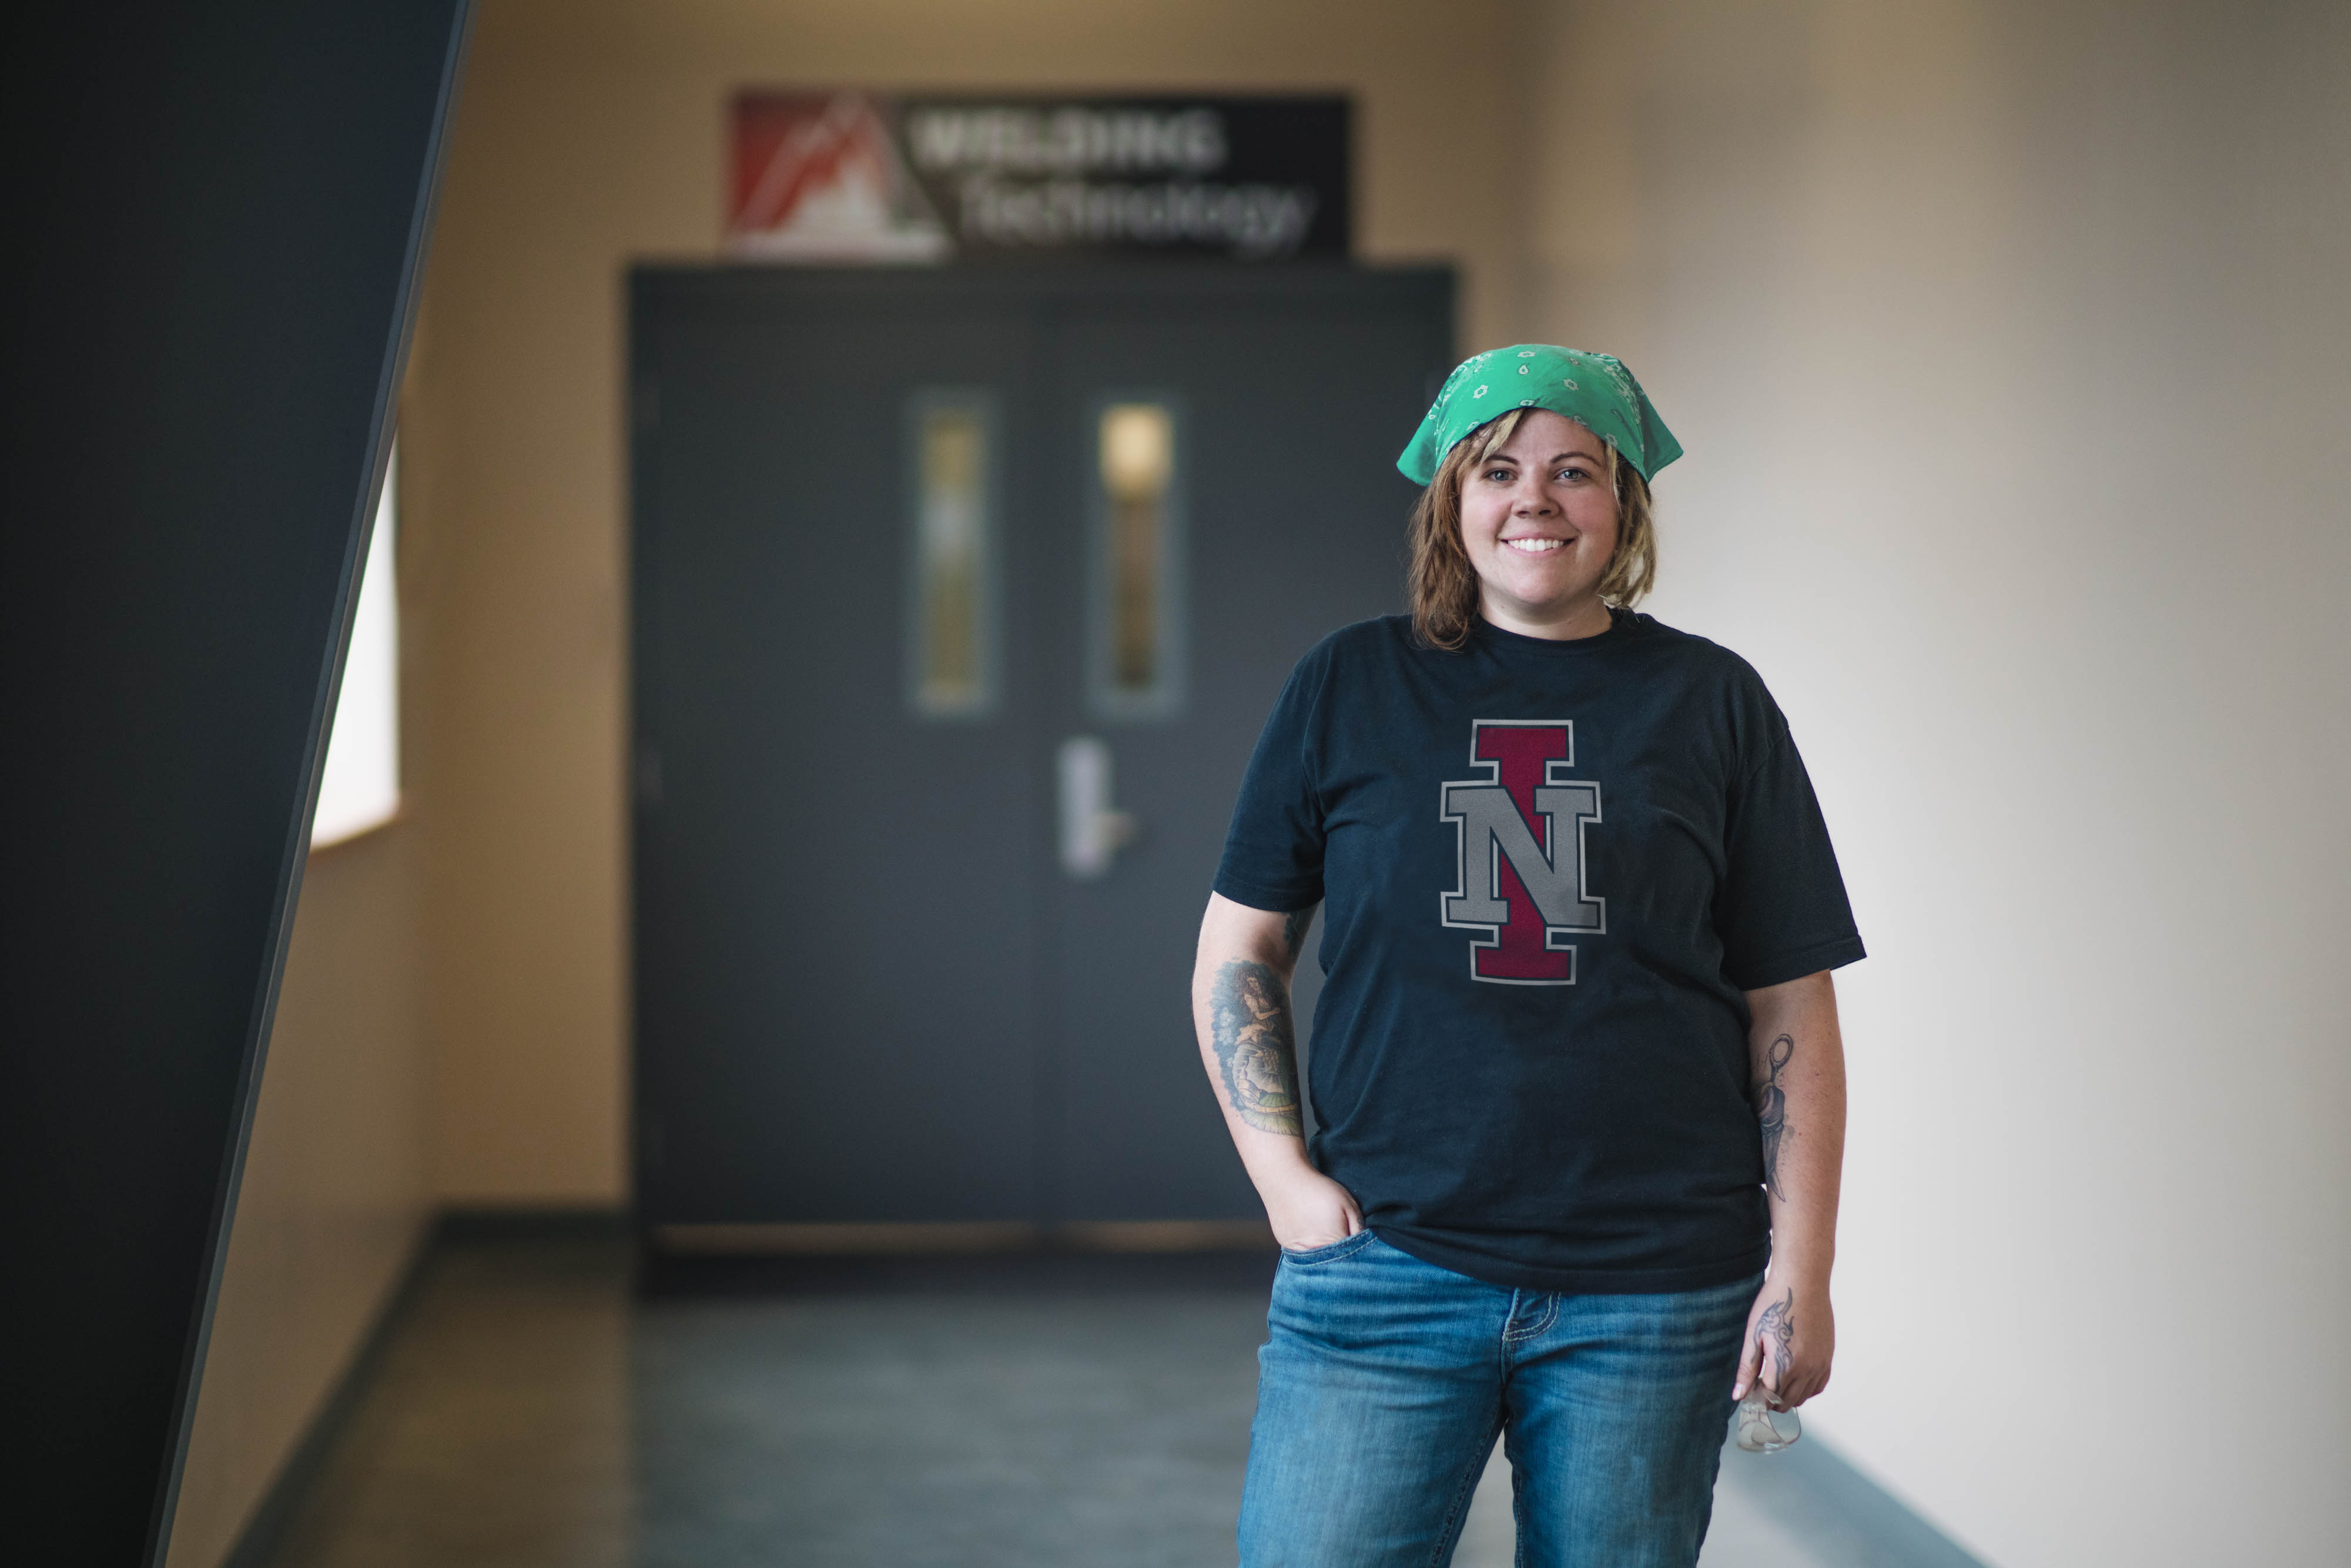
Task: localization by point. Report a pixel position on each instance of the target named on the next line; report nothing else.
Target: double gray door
(959, 600)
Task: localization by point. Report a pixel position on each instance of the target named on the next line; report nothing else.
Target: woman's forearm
(1248, 1039)
(1797, 1059)
(1797, 1063)
(1252, 1043)
(1249, 1043)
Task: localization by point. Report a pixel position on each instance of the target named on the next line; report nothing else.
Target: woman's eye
(1500, 476)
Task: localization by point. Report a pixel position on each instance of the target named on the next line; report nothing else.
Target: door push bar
(1092, 829)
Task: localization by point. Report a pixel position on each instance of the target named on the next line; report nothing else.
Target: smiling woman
(1576, 1075)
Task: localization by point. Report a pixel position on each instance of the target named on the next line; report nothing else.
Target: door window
(1136, 548)
(951, 609)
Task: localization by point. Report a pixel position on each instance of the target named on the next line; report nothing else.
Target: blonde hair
(1443, 585)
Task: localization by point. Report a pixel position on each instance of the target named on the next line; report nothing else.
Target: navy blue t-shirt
(1550, 870)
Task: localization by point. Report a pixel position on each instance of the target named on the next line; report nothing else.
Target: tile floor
(531, 1410)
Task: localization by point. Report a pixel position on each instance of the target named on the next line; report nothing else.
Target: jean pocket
(1310, 1256)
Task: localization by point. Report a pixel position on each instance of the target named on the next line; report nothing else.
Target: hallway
(529, 1409)
(366, 823)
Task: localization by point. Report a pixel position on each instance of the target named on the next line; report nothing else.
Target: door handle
(1092, 829)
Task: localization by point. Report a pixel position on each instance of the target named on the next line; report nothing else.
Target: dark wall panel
(215, 219)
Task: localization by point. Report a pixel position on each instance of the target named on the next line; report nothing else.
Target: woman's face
(1539, 522)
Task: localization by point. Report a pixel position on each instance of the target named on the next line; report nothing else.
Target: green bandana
(1594, 390)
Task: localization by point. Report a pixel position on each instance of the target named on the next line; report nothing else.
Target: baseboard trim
(463, 1223)
(265, 1527)
(964, 1237)
(1165, 1235)
(757, 1241)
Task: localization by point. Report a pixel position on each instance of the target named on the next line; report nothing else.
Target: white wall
(2012, 344)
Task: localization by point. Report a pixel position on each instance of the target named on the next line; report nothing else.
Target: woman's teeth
(1536, 547)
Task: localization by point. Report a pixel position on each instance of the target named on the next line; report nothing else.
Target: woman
(1576, 1070)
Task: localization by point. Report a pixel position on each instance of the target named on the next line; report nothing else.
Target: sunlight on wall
(360, 789)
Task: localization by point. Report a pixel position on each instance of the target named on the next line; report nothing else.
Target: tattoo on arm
(1777, 1328)
(1255, 1046)
(1293, 927)
(1771, 1111)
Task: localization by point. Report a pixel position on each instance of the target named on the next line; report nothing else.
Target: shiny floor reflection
(530, 1411)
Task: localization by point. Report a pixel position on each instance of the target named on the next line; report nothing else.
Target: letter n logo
(1522, 880)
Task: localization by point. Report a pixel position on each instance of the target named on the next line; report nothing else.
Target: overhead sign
(852, 176)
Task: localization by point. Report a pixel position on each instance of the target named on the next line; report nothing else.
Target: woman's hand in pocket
(1307, 1209)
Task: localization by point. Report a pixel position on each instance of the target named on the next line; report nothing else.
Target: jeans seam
(1449, 1537)
(1512, 1335)
(1315, 1256)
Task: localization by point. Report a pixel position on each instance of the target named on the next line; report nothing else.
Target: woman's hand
(1791, 1339)
(1307, 1208)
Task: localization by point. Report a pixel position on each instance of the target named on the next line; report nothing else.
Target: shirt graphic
(1571, 1114)
(1520, 873)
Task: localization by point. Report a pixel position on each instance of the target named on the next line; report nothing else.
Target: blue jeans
(1384, 1380)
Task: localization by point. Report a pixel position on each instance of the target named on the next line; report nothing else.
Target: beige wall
(2012, 347)
(592, 132)
(335, 1197)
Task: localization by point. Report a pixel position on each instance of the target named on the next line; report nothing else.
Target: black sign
(1254, 178)
(851, 175)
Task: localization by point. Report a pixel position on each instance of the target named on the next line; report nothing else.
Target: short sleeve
(1273, 851)
(1781, 910)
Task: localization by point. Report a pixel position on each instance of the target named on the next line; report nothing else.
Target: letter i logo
(1520, 878)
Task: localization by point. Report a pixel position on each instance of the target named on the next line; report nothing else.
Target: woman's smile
(1539, 525)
